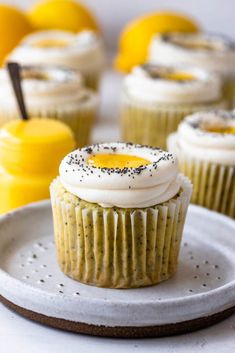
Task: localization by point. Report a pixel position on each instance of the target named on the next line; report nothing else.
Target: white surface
(203, 285)
(23, 336)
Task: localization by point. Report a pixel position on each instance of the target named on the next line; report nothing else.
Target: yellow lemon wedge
(14, 25)
(116, 161)
(136, 36)
(62, 14)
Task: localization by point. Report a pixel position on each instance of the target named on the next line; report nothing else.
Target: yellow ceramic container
(30, 153)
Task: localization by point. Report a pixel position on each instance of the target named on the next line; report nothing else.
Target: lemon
(14, 25)
(62, 14)
(136, 36)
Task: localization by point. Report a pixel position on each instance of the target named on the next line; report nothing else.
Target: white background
(213, 15)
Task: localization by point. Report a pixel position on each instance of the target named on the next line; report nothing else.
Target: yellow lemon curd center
(178, 76)
(116, 161)
(171, 75)
(51, 43)
(220, 129)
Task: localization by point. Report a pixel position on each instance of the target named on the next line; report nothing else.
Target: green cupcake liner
(114, 247)
(92, 79)
(229, 92)
(80, 117)
(150, 124)
(213, 184)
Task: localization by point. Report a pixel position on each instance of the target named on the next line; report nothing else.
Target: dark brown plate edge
(121, 331)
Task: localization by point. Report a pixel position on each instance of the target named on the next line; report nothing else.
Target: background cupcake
(206, 51)
(83, 51)
(205, 147)
(119, 211)
(156, 98)
(53, 93)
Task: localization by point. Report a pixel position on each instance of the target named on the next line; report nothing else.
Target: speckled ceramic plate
(201, 293)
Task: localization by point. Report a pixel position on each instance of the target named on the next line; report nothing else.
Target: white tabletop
(19, 335)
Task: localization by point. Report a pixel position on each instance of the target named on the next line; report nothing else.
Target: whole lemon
(135, 38)
(62, 14)
(14, 25)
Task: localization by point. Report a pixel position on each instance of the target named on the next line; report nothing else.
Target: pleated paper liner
(229, 92)
(92, 79)
(214, 184)
(114, 247)
(150, 124)
(80, 116)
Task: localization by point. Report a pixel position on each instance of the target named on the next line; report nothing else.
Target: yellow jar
(30, 154)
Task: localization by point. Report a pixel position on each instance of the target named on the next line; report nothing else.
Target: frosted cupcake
(205, 147)
(119, 212)
(206, 51)
(52, 92)
(156, 98)
(83, 51)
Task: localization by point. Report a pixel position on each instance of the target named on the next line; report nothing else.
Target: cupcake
(52, 92)
(205, 147)
(156, 98)
(206, 51)
(83, 51)
(119, 212)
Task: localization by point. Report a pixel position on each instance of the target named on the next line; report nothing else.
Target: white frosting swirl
(83, 51)
(208, 52)
(145, 86)
(192, 139)
(46, 87)
(140, 187)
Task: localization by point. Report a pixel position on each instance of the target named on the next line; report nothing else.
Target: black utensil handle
(14, 71)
